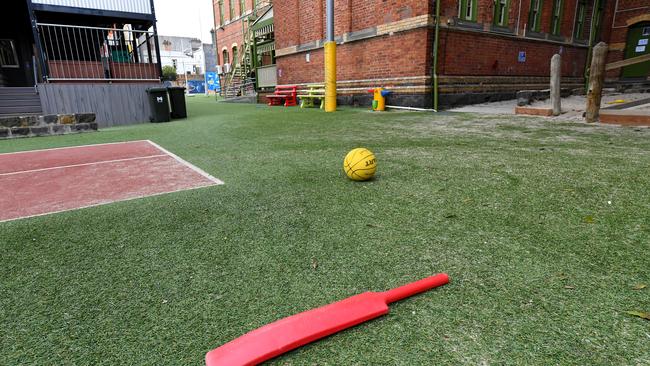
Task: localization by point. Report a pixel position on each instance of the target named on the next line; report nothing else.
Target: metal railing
(78, 53)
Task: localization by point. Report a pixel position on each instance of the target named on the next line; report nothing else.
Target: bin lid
(175, 88)
(157, 90)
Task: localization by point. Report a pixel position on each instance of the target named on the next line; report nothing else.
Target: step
(18, 96)
(12, 90)
(21, 110)
(20, 102)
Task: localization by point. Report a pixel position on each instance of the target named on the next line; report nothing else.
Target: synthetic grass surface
(543, 228)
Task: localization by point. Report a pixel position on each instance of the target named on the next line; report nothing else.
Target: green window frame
(242, 7)
(580, 19)
(598, 18)
(556, 17)
(232, 9)
(501, 10)
(221, 12)
(535, 15)
(467, 9)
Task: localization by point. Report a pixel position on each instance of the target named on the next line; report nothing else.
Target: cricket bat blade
(297, 330)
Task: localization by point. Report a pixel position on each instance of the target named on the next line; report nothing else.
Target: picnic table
(284, 95)
(314, 93)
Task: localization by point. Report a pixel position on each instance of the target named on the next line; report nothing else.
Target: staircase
(239, 84)
(234, 83)
(19, 101)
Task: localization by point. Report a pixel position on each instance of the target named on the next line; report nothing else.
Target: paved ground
(572, 107)
(34, 183)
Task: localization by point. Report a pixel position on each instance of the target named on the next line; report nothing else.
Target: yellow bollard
(330, 76)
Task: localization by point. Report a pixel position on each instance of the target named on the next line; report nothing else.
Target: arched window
(235, 55)
(226, 57)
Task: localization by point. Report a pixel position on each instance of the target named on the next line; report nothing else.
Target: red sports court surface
(40, 182)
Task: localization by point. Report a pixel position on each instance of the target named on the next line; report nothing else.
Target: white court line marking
(109, 202)
(84, 164)
(187, 164)
(73, 147)
(167, 153)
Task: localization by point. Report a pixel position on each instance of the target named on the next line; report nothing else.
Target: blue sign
(212, 80)
(522, 56)
(195, 87)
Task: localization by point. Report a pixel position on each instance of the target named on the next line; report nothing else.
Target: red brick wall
(287, 23)
(303, 21)
(369, 13)
(371, 59)
(310, 13)
(472, 53)
(232, 32)
(226, 9)
(408, 53)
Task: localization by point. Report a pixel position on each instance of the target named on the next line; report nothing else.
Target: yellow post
(330, 76)
(381, 101)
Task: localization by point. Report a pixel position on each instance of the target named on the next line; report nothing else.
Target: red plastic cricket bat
(297, 330)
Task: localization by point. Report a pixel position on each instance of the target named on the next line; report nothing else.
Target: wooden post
(596, 79)
(556, 73)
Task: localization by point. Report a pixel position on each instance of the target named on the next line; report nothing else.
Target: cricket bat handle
(416, 287)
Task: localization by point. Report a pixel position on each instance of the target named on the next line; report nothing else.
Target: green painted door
(638, 44)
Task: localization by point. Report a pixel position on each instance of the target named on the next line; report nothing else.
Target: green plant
(169, 73)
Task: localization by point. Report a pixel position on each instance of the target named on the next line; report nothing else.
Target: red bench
(284, 95)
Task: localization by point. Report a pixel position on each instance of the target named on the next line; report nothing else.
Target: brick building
(231, 17)
(629, 31)
(488, 49)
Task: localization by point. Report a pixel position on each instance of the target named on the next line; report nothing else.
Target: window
(242, 7)
(226, 57)
(556, 18)
(501, 12)
(598, 16)
(467, 9)
(235, 55)
(645, 31)
(220, 12)
(535, 15)
(8, 54)
(580, 19)
(232, 9)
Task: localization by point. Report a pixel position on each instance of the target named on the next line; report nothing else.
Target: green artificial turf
(544, 228)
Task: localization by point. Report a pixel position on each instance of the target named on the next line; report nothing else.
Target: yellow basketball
(360, 164)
